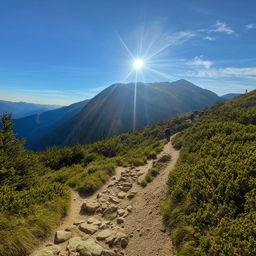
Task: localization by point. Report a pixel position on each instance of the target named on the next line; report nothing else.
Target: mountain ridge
(111, 111)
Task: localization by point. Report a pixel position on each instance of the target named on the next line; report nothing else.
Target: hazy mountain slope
(35, 126)
(111, 111)
(230, 96)
(22, 109)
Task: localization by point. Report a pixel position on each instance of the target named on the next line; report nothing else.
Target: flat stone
(89, 246)
(104, 234)
(88, 228)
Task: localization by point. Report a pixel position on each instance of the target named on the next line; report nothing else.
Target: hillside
(111, 111)
(35, 126)
(35, 186)
(210, 209)
(22, 109)
(230, 96)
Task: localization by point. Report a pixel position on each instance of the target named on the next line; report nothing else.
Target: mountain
(111, 111)
(34, 126)
(22, 109)
(230, 96)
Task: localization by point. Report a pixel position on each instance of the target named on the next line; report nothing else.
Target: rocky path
(121, 219)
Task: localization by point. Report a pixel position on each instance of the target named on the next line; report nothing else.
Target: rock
(129, 208)
(73, 243)
(79, 222)
(113, 199)
(118, 239)
(121, 239)
(120, 220)
(106, 252)
(104, 234)
(49, 251)
(111, 209)
(120, 212)
(94, 221)
(132, 194)
(64, 253)
(62, 236)
(126, 213)
(88, 228)
(90, 207)
(71, 228)
(99, 195)
(121, 195)
(126, 186)
(140, 174)
(89, 247)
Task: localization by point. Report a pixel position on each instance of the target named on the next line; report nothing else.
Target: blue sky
(64, 51)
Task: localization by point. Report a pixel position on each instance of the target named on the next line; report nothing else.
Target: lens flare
(138, 64)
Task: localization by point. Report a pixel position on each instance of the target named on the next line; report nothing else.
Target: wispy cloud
(222, 27)
(198, 61)
(250, 26)
(209, 38)
(205, 69)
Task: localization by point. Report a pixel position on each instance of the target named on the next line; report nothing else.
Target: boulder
(73, 243)
(88, 228)
(89, 247)
(62, 236)
(90, 207)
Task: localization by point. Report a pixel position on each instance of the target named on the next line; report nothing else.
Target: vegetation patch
(210, 207)
(157, 167)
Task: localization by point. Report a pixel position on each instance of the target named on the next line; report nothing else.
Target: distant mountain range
(22, 109)
(34, 126)
(111, 112)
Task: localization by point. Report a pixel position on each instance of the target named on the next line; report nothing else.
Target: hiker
(167, 134)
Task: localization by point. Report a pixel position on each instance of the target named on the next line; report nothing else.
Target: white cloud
(222, 27)
(209, 38)
(245, 72)
(198, 61)
(250, 26)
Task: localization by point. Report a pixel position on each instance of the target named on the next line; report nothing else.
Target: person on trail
(167, 134)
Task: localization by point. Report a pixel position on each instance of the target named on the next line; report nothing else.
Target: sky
(65, 51)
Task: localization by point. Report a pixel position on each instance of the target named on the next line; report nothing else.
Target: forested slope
(211, 204)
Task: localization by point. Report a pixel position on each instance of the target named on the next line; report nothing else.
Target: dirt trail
(122, 218)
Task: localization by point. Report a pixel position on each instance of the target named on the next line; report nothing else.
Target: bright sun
(138, 64)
